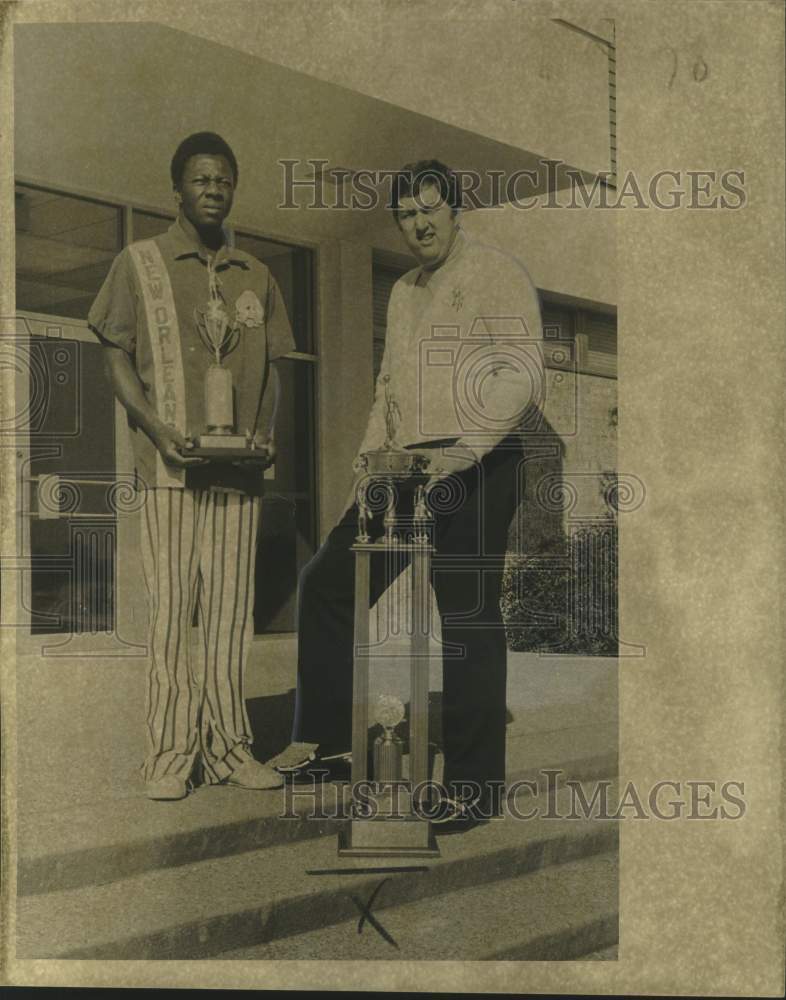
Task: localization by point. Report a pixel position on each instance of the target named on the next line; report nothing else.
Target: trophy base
(224, 448)
(394, 462)
(388, 838)
(221, 442)
(224, 454)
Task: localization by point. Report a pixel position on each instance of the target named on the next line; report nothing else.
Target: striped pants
(198, 551)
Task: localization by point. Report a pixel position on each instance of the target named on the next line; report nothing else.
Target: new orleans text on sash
(164, 333)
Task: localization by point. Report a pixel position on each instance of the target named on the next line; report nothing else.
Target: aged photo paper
(392, 495)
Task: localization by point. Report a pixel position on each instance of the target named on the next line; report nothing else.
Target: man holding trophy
(461, 380)
(190, 328)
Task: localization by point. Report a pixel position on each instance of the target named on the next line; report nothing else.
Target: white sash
(164, 332)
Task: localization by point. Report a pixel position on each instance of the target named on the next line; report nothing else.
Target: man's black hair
(413, 176)
(206, 144)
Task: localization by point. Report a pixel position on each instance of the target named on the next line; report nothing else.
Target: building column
(346, 369)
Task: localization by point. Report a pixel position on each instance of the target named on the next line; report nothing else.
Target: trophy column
(391, 826)
(419, 663)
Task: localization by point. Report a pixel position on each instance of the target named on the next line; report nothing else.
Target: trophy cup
(380, 825)
(220, 336)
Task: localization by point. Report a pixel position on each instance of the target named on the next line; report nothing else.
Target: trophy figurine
(421, 517)
(392, 417)
(220, 336)
(363, 515)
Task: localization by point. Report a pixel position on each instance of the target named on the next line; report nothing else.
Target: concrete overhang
(100, 107)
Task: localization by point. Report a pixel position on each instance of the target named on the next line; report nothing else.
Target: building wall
(530, 82)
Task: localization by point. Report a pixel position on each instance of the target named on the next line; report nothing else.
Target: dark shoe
(456, 816)
(293, 757)
(316, 768)
(460, 824)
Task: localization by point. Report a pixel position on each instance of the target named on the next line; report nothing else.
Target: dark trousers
(472, 515)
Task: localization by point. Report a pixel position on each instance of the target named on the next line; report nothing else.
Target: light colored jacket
(463, 353)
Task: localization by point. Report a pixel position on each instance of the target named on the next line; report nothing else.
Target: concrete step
(206, 908)
(561, 912)
(101, 842)
(112, 840)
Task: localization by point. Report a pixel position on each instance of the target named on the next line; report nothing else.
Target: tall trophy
(220, 335)
(385, 819)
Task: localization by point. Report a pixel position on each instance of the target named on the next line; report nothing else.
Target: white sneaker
(256, 776)
(168, 787)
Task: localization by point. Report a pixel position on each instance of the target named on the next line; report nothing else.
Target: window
(146, 225)
(64, 249)
(600, 329)
(383, 279)
(70, 471)
(579, 339)
(288, 530)
(291, 266)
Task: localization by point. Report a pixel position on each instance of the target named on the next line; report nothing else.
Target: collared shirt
(118, 317)
(463, 352)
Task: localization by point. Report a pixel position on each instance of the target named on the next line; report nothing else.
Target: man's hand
(352, 496)
(174, 447)
(451, 462)
(129, 390)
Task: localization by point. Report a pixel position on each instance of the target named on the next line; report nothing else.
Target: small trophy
(391, 459)
(388, 748)
(390, 462)
(220, 336)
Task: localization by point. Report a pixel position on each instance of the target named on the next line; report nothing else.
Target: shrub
(564, 600)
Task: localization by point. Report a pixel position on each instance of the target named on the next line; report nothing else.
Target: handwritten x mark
(366, 914)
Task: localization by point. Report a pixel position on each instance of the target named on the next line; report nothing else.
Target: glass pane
(64, 248)
(294, 467)
(74, 427)
(287, 536)
(383, 279)
(558, 322)
(146, 225)
(72, 468)
(292, 269)
(73, 585)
